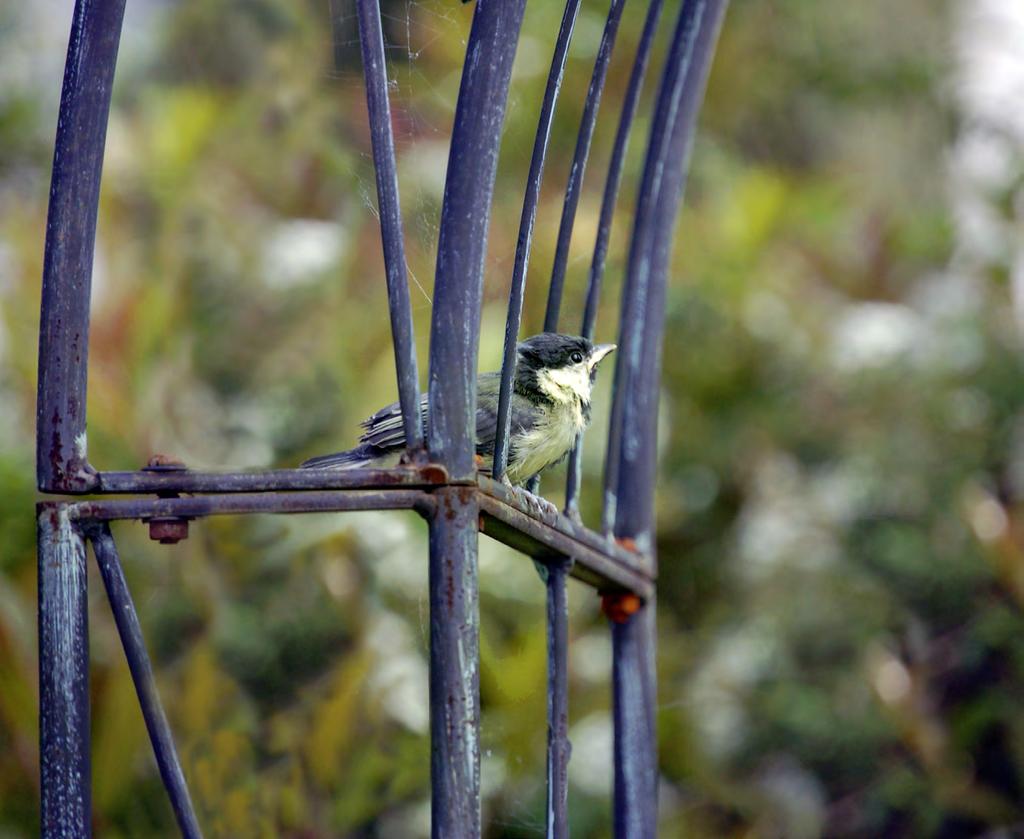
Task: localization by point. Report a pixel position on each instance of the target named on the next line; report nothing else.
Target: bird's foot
(541, 504)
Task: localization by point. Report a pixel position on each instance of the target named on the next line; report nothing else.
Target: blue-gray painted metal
(655, 226)
(633, 437)
(559, 748)
(371, 41)
(462, 242)
(579, 164)
(64, 765)
(130, 630)
(604, 226)
(454, 666)
(61, 461)
(454, 343)
(634, 699)
(526, 221)
(628, 436)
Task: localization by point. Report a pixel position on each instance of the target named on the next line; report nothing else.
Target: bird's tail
(360, 456)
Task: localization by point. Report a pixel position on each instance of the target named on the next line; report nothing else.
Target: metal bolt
(168, 531)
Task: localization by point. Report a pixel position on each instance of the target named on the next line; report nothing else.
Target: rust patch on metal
(168, 531)
(619, 608)
(434, 473)
(164, 463)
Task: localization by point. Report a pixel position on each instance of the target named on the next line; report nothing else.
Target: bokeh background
(840, 524)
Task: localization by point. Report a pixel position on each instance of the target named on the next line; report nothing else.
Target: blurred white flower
(875, 334)
(299, 251)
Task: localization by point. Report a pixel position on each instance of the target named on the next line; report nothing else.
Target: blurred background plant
(840, 532)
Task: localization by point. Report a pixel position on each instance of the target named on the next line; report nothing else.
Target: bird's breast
(547, 442)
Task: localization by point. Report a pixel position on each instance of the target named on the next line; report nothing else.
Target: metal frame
(439, 480)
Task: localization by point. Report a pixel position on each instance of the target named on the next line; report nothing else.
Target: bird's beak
(597, 354)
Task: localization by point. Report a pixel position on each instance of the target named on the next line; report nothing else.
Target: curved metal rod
(130, 630)
(454, 344)
(61, 462)
(604, 226)
(630, 437)
(371, 42)
(462, 242)
(638, 470)
(526, 221)
(579, 163)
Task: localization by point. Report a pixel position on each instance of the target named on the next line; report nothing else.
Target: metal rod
(371, 41)
(526, 221)
(283, 480)
(462, 243)
(514, 518)
(61, 460)
(636, 286)
(634, 678)
(559, 747)
(130, 630)
(64, 763)
(634, 693)
(637, 473)
(604, 225)
(240, 503)
(511, 516)
(454, 667)
(579, 164)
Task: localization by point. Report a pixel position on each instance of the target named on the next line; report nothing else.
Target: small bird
(550, 406)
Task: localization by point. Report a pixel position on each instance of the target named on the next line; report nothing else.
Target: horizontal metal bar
(278, 480)
(513, 518)
(128, 627)
(328, 501)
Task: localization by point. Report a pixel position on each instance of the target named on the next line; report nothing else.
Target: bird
(554, 378)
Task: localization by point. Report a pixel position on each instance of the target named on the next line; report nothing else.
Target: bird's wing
(384, 429)
(522, 415)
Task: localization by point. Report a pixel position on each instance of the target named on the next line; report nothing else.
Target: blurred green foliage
(840, 537)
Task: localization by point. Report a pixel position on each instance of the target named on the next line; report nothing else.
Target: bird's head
(559, 368)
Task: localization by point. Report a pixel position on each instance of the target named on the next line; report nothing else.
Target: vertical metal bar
(454, 336)
(130, 630)
(638, 458)
(559, 747)
(579, 163)
(636, 404)
(61, 462)
(371, 41)
(604, 227)
(454, 666)
(529, 215)
(636, 287)
(637, 454)
(634, 689)
(65, 773)
(462, 243)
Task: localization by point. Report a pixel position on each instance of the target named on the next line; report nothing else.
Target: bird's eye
(577, 357)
